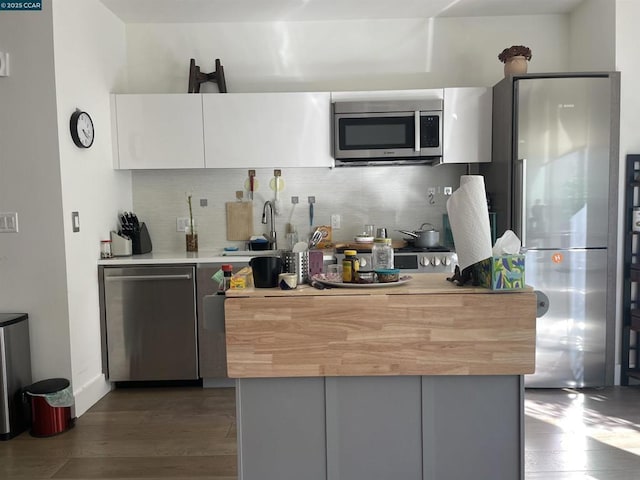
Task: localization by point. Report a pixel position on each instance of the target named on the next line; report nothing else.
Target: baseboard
(218, 382)
(89, 394)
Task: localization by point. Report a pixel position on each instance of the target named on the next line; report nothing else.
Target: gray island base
(380, 428)
(422, 381)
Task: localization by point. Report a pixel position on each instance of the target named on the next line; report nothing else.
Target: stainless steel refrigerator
(553, 180)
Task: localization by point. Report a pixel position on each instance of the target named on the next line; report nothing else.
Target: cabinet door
(253, 130)
(472, 427)
(467, 125)
(374, 428)
(159, 131)
(281, 429)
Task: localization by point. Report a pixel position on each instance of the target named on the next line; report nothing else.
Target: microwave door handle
(416, 121)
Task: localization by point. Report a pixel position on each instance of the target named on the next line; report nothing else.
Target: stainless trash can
(15, 373)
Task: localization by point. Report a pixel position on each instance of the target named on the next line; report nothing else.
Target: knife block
(141, 241)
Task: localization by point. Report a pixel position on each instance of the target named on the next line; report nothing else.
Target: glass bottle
(227, 270)
(382, 254)
(105, 249)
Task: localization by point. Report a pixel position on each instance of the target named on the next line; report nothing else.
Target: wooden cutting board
(239, 220)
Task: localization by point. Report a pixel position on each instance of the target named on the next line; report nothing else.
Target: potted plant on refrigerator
(515, 59)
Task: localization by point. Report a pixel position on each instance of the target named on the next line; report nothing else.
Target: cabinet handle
(520, 201)
(416, 122)
(186, 276)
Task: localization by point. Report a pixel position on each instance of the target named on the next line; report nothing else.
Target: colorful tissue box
(504, 272)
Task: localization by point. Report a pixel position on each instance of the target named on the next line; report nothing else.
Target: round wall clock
(81, 127)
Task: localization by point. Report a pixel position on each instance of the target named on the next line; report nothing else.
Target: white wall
(90, 61)
(341, 55)
(32, 262)
(593, 36)
(45, 270)
(628, 62)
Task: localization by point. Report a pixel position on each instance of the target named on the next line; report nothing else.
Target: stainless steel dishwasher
(150, 323)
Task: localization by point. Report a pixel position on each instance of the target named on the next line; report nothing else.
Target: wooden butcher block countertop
(427, 326)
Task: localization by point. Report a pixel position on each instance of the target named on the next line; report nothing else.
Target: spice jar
(350, 266)
(105, 249)
(365, 276)
(382, 254)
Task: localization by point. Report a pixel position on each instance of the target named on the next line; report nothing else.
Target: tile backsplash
(391, 197)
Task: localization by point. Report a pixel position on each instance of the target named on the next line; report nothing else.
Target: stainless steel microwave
(387, 132)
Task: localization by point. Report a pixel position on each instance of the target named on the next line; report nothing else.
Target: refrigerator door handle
(520, 220)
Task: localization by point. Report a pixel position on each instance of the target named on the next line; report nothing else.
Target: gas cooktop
(406, 249)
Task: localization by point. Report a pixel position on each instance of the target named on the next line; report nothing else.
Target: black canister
(265, 271)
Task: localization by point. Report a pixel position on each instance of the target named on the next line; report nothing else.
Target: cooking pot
(424, 238)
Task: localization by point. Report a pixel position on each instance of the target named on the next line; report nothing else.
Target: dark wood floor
(164, 433)
(189, 433)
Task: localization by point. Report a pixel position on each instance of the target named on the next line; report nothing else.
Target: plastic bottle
(382, 254)
(350, 266)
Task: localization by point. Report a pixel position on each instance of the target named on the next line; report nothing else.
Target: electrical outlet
(204, 202)
(181, 224)
(294, 200)
(335, 221)
(448, 190)
(431, 191)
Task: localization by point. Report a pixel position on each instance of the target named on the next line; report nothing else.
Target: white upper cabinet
(253, 130)
(467, 125)
(158, 131)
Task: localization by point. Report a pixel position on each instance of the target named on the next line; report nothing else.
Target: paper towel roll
(469, 220)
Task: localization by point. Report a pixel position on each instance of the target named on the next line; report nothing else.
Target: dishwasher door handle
(186, 276)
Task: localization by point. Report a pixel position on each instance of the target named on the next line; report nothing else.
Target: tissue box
(504, 272)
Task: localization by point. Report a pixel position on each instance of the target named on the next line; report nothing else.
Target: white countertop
(204, 256)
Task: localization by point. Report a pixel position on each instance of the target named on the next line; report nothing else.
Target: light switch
(4, 64)
(9, 222)
(75, 221)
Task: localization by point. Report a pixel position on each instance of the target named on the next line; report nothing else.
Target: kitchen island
(414, 381)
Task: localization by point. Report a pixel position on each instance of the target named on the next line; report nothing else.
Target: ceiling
(212, 11)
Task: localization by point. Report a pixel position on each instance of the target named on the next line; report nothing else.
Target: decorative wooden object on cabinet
(196, 77)
(630, 361)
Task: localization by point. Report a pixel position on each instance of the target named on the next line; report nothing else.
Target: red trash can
(51, 401)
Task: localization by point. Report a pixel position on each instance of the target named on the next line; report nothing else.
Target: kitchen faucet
(272, 233)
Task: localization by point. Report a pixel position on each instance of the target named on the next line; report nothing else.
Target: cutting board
(239, 220)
